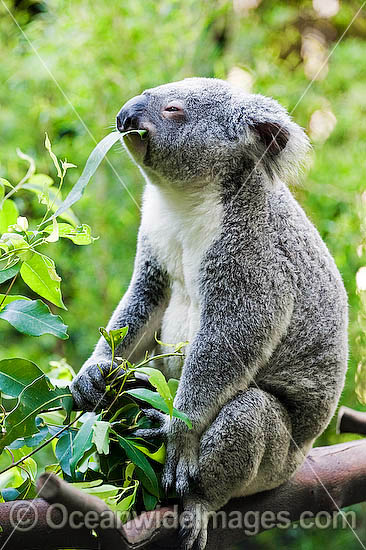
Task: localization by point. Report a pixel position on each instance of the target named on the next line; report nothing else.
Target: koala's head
(202, 128)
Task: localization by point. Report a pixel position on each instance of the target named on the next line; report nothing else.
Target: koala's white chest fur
(181, 226)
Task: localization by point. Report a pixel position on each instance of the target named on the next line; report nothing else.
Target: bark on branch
(351, 421)
(330, 479)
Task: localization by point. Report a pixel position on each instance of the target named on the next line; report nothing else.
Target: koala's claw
(155, 416)
(193, 536)
(186, 475)
(150, 433)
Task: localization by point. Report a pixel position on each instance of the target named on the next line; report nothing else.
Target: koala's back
(306, 370)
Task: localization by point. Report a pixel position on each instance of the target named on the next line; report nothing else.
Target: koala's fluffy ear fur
(273, 140)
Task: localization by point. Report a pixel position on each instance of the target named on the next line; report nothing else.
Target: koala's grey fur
(228, 260)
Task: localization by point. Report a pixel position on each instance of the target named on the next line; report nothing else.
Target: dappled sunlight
(242, 7)
(241, 78)
(326, 8)
(321, 125)
(314, 53)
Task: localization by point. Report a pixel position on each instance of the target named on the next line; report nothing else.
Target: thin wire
(121, 181)
(43, 63)
(252, 381)
(301, 97)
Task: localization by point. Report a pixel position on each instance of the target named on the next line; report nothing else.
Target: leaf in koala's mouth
(95, 158)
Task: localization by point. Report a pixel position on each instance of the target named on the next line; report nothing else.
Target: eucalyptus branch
(43, 445)
(29, 173)
(9, 289)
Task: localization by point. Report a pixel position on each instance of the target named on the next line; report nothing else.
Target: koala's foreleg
(141, 309)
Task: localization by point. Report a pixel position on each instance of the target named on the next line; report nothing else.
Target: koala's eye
(172, 109)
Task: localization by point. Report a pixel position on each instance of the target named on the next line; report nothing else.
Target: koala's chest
(180, 234)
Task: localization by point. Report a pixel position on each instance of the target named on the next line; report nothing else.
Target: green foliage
(19, 254)
(32, 317)
(100, 450)
(162, 41)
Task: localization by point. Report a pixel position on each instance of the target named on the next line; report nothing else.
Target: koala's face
(201, 128)
(190, 127)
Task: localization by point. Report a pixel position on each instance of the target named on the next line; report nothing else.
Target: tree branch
(351, 421)
(330, 479)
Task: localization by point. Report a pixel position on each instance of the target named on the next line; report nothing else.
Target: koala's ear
(273, 136)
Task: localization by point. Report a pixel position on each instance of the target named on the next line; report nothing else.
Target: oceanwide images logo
(25, 516)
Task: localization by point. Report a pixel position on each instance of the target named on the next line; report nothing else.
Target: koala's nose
(129, 117)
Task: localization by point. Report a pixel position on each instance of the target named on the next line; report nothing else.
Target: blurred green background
(66, 67)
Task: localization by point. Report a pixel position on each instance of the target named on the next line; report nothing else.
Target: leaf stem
(29, 173)
(9, 289)
(42, 446)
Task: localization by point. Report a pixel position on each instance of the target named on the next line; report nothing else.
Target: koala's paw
(181, 465)
(89, 386)
(181, 470)
(161, 430)
(193, 531)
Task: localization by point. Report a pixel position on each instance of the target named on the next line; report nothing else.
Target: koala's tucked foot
(89, 386)
(181, 466)
(193, 531)
(181, 470)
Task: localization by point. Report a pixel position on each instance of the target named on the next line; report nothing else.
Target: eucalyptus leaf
(39, 273)
(63, 451)
(138, 458)
(16, 374)
(33, 318)
(150, 501)
(83, 440)
(80, 235)
(95, 158)
(158, 402)
(158, 456)
(8, 215)
(6, 274)
(7, 299)
(100, 437)
(35, 397)
(157, 379)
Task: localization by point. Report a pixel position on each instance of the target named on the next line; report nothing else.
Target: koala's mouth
(137, 144)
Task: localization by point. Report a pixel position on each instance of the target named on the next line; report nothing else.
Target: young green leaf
(40, 275)
(157, 379)
(158, 456)
(173, 384)
(8, 215)
(80, 235)
(53, 234)
(95, 158)
(5, 300)
(100, 438)
(158, 402)
(138, 458)
(47, 144)
(33, 318)
(6, 183)
(9, 273)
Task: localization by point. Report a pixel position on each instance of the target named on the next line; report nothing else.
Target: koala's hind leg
(247, 449)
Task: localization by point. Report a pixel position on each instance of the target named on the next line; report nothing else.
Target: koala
(228, 261)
